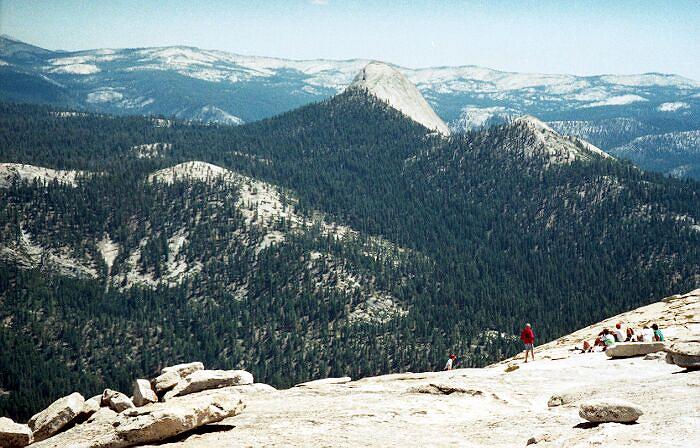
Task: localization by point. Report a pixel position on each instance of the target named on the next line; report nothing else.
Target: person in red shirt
(528, 338)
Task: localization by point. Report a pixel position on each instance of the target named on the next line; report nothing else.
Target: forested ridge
(460, 236)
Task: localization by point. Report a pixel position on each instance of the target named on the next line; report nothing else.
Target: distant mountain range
(189, 83)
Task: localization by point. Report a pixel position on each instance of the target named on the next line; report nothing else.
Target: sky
(566, 36)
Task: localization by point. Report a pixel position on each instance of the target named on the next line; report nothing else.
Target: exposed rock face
(684, 354)
(166, 381)
(324, 381)
(143, 394)
(209, 379)
(14, 435)
(610, 410)
(627, 349)
(151, 423)
(444, 389)
(184, 369)
(116, 401)
(61, 412)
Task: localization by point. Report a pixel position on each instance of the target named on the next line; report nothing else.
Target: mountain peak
(388, 84)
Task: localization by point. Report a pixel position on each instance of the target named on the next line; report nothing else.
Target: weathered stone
(629, 349)
(149, 424)
(143, 394)
(209, 379)
(564, 398)
(609, 410)
(324, 381)
(684, 354)
(444, 389)
(166, 381)
(116, 401)
(52, 419)
(184, 369)
(512, 367)
(546, 437)
(14, 435)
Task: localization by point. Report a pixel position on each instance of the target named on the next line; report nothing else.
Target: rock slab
(152, 423)
(629, 349)
(116, 401)
(166, 381)
(143, 393)
(610, 410)
(14, 435)
(684, 354)
(184, 369)
(209, 379)
(52, 419)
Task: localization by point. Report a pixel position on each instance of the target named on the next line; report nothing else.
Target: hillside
(337, 239)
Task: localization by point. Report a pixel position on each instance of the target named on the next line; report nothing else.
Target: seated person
(617, 333)
(647, 334)
(658, 334)
(630, 335)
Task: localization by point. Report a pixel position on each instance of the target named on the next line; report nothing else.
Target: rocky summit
(565, 398)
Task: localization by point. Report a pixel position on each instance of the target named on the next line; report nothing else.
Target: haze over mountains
(610, 111)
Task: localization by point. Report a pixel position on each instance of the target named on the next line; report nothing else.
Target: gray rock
(149, 424)
(209, 379)
(609, 410)
(684, 354)
(116, 401)
(52, 419)
(629, 349)
(166, 381)
(184, 369)
(143, 394)
(14, 435)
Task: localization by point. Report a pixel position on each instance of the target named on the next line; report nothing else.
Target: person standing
(528, 338)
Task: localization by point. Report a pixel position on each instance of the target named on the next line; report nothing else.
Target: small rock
(52, 419)
(546, 437)
(512, 367)
(14, 435)
(628, 349)
(564, 398)
(116, 401)
(166, 381)
(654, 356)
(209, 379)
(684, 354)
(609, 410)
(143, 394)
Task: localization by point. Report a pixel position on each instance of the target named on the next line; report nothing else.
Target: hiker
(528, 338)
(608, 339)
(450, 362)
(658, 334)
(630, 335)
(617, 333)
(647, 334)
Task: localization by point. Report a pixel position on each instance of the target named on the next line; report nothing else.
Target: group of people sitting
(607, 337)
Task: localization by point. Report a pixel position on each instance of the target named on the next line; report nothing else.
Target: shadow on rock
(206, 429)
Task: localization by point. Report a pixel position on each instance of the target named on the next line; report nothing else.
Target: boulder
(52, 419)
(209, 379)
(152, 423)
(684, 354)
(166, 381)
(184, 369)
(609, 410)
(14, 435)
(629, 349)
(143, 393)
(116, 401)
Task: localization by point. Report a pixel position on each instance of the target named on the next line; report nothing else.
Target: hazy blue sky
(567, 36)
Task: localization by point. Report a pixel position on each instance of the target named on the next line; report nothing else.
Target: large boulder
(152, 423)
(143, 393)
(209, 379)
(52, 419)
(14, 435)
(170, 376)
(684, 354)
(629, 349)
(184, 369)
(609, 410)
(166, 381)
(116, 401)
